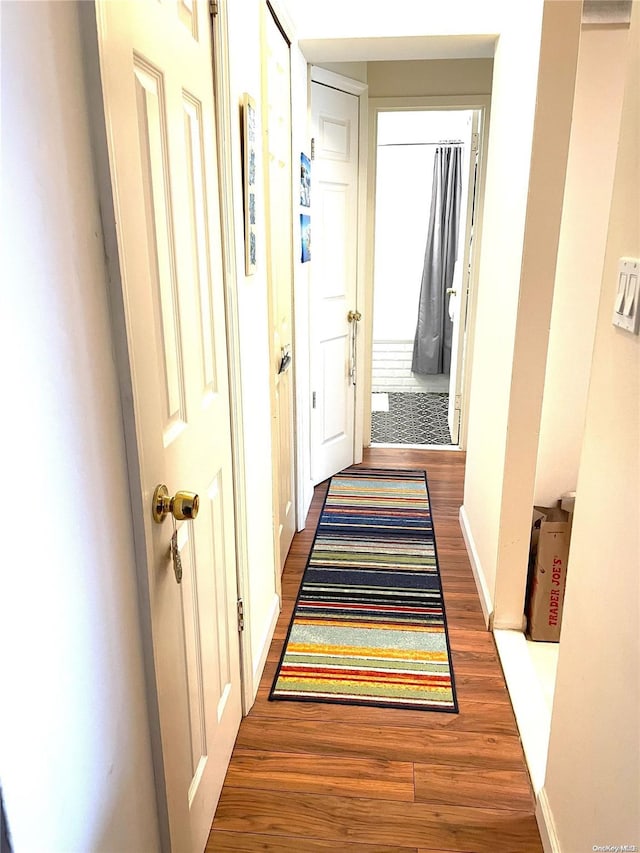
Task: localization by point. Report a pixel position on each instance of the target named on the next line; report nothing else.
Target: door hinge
(313, 400)
(240, 615)
(313, 148)
(213, 8)
(475, 142)
(458, 404)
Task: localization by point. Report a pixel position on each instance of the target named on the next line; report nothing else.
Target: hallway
(320, 777)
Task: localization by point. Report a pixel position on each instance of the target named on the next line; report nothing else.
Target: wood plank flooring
(307, 777)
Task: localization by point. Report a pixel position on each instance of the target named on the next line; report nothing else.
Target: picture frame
(305, 237)
(249, 141)
(305, 180)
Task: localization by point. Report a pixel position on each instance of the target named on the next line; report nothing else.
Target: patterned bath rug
(412, 419)
(369, 625)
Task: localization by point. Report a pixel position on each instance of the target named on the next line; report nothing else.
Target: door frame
(139, 508)
(482, 103)
(361, 91)
(271, 7)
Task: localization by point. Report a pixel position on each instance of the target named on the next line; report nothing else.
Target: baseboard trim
(532, 713)
(511, 625)
(265, 645)
(476, 568)
(546, 824)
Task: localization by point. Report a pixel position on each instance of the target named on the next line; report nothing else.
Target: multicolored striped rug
(369, 626)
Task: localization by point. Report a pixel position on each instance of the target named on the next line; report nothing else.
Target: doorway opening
(426, 168)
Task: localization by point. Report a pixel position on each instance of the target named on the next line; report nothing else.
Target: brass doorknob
(183, 505)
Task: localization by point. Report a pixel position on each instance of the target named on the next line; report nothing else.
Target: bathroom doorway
(425, 178)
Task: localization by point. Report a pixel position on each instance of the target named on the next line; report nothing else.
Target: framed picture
(305, 181)
(249, 163)
(305, 231)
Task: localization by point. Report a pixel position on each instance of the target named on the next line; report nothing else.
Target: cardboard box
(551, 531)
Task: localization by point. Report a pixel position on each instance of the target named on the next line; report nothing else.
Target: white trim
(301, 134)
(265, 645)
(476, 568)
(222, 90)
(546, 824)
(361, 272)
(475, 271)
(510, 625)
(369, 270)
(451, 448)
(481, 104)
(532, 713)
(337, 81)
(431, 102)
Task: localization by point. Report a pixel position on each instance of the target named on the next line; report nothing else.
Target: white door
(334, 224)
(156, 68)
(459, 299)
(277, 125)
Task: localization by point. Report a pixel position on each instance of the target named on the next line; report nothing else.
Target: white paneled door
(277, 100)
(156, 69)
(333, 279)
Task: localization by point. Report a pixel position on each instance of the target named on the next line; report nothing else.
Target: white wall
(403, 198)
(552, 130)
(358, 19)
(245, 76)
(76, 763)
(427, 77)
(354, 70)
(592, 787)
(515, 72)
(583, 235)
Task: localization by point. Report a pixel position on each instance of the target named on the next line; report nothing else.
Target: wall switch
(626, 309)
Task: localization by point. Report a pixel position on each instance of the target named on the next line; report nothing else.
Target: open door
(459, 296)
(334, 315)
(278, 179)
(157, 84)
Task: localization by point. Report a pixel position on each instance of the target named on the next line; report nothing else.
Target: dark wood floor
(317, 777)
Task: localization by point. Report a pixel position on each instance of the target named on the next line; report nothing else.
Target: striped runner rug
(369, 625)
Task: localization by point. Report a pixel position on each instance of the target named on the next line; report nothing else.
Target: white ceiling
(375, 30)
(378, 30)
(398, 47)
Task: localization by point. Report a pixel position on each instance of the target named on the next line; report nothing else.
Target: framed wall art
(305, 234)
(250, 186)
(305, 181)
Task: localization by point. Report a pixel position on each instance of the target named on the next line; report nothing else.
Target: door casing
(481, 103)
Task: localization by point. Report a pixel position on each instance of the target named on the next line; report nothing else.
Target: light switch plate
(626, 308)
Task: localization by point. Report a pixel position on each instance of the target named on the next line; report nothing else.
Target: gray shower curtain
(432, 344)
